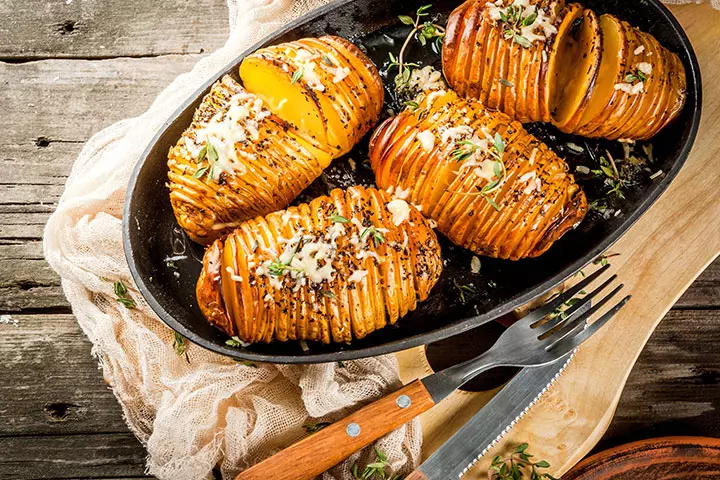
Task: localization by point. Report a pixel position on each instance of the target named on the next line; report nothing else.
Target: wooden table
(72, 67)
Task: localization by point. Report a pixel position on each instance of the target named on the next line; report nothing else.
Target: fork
(543, 336)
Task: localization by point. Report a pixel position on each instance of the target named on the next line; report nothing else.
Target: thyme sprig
(210, 153)
(372, 232)
(278, 268)
(517, 464)
(466, 148)
(180, 346)
(296, 76)
(123, 298)
(514, 22)
(635, 76)
(463, 290)
(425, 31)
(375, 470)
(609, 172)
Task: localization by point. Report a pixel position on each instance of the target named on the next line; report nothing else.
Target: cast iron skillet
(151, 234)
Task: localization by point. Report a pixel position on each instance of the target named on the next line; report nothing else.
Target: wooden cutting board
(658, 259)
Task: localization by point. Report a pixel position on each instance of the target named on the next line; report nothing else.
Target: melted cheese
(400, 211)
(427, 140)
(358, 276)
(645, 68)
(631, 89)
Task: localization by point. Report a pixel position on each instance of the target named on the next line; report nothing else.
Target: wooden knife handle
(322, 450)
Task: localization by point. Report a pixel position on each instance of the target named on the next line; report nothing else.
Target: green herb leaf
(180, 345)
(123, 298)
(406, 20)
(499, 144)
(423, 10)
(315, 427)
(412, 104)
(201, 155)
(201, 171)
(337, 218)
(492, 203)
(296, 76)
(507, 83)
(328, 294)
(327, 60)
(341, 364)
(542, 464)
(235, 342)
(120, 289)
(530, 19)
(522, 41)
(211, 152)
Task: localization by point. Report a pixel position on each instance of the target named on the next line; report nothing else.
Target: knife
(473, 440)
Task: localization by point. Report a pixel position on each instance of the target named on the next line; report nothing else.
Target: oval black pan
(151, 235)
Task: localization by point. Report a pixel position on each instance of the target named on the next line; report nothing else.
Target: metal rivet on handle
(353, 429)
(403, 401)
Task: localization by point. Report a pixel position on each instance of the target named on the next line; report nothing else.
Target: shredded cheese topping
(237, 123)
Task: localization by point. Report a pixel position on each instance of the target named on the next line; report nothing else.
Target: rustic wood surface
(70, 68)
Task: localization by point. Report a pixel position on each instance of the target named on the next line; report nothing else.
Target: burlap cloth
(212, 411)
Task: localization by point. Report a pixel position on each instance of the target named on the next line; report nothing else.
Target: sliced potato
(333, 270)
(324, 86)
(573, 69)
(236, 161)
(614, 51)
(537, 200)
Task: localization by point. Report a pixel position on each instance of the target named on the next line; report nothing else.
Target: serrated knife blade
(456, 456)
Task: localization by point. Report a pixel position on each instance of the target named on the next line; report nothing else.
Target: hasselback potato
(326, 86)
(504, 67)
(543, 61)
(252, 149)
(335, 269)
(237, 160)
(490, 186)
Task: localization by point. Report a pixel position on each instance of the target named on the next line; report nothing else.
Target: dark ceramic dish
(151, 234)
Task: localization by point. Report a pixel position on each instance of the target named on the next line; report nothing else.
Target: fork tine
(582, 319)
(572, 311)
(541, 312)
(570, 343)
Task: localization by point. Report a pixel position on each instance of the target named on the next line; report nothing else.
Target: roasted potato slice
(335, 269)
(614, 51)
(573, 70)
(326, 87)
(236, 161)
(490, 186)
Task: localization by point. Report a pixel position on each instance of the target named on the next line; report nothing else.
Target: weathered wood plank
(66, 457)
(705, 291)
(101, 29)
(68, 100)
(52, 108)
(674, 388)
(49, 382)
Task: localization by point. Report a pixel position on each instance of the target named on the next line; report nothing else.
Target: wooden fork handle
(322, 450)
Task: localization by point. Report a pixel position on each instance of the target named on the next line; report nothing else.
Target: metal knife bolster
(456, 456)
